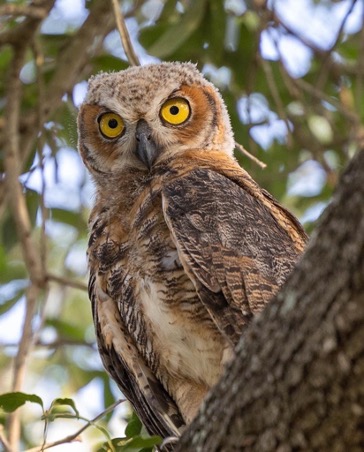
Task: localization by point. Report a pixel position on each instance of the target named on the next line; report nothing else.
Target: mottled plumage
(184, 248)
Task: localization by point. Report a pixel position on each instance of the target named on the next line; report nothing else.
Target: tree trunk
(297, 382)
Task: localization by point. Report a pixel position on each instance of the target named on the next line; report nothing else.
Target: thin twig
(3, 440)
(124, 35)
(250, 156)
(66, 281)
(55, 344)
(74, 436)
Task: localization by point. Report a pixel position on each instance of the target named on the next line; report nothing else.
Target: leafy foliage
(134, 439)
(296, 102)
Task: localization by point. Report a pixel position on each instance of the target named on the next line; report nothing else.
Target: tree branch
(66, 281)
(21, 217)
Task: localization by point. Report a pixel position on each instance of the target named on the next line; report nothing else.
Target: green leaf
(69, 217)
(6, 305)
(66, 329)
(176, 34)
(107, 63)
(11, 270)
(65, 402)
(60, 409)
(216, 29)
(146, 442)
(11, 401)
(136, 444)
(169, 11)
(134, 426)
(109, 397)
(5, 58)
(9, 237)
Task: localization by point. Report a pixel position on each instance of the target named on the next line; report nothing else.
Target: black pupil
(174, 110)
(113, 123)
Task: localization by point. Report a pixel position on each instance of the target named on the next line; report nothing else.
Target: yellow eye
(175, 111)
(111, 125)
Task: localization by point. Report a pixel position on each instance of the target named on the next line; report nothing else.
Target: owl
(185, 247)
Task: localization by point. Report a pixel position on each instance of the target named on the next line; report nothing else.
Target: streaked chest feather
(188, 344)
(158, 302)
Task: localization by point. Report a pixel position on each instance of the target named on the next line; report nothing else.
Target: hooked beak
(146, 149)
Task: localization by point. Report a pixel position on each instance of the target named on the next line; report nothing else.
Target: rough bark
(298, 380)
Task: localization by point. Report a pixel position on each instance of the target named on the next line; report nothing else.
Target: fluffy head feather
(139, 93)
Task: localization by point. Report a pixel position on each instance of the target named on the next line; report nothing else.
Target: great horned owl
(184, 248)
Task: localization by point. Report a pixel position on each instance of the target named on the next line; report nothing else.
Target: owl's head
(139, 116)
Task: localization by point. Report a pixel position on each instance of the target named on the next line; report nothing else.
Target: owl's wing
(154, 406)
(231, 244)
